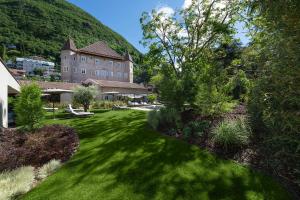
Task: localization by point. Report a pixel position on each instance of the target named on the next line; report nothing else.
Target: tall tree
(183, 42)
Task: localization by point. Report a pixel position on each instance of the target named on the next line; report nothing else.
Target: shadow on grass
(121, 158)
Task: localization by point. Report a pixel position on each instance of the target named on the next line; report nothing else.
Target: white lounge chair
(79, 114)
(49, 109)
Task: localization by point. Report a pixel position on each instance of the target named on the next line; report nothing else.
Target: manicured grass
(120, 157)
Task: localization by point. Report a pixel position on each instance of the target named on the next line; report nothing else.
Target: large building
(96, 61)
(99, 65)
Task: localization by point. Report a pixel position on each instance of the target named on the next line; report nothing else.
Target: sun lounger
(49, 109)
(79, 114)
(118, 107)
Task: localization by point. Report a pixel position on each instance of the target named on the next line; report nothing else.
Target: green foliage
(38, 71)
(3, 53)
(170, 117)
(239, 86)
(199, 127)
(107, 104)
(153, 119)
(48, 168)
(195, 129)
(152, 97)
(165, 118)
(187, 132)
(85, 96)
(39, 27)
(232, 133)
(186, 69)
(29, 107)
(276, 94)
(16, 182)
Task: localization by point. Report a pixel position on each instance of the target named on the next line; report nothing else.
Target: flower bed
(35, 149)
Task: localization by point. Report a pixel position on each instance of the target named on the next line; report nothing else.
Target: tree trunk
(85, 107)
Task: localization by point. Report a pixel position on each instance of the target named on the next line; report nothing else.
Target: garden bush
(195, 129)
(107, 104)
(48, 168)
(153, 119)
(152, 98)
(165, 118)
(29, 107)
(16, 182)
(231, 134)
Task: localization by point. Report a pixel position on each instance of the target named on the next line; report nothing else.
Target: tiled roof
(101, 49)
(115, 84)
(51, 85)
(17, 72)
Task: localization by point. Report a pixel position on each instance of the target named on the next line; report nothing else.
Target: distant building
(35, 62)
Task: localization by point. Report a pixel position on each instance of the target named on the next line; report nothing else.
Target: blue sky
(123, 15)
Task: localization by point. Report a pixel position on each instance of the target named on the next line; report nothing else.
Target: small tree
(152, 97)
(29, 107)
(85, 95)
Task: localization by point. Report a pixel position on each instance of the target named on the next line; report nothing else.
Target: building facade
(32, 63)
(96, 61)
(8, 86)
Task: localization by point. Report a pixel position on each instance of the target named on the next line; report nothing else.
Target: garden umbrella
(53, 92)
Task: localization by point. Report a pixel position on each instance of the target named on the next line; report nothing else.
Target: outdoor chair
(79, 114)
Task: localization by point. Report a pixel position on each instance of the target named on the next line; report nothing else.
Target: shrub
(107, 104)
(16, 182)
(48, 168)
(152, 97)
(232, 133)
(199, 127)
(187, 132)
(85, 95)
(170, 117)
(165, 118)
(153, 119)
(29, 107)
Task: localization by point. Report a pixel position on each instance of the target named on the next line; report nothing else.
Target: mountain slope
(40, 27)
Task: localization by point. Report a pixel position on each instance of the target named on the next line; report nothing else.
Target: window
(118, 64)
(111, 74)
(119, 75)
(75, 70)
(65, 57)
(66, 69)
(103, 73)
(74, 58)
(125, 75)
(98, 73)
(97, 61)
(110, 63)
(83, 71)
(83, 59)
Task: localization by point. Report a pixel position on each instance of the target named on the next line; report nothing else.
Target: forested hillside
(40, 27)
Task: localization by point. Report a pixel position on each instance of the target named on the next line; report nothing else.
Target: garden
(228, 127)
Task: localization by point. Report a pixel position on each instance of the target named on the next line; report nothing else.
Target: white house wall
(7, 85)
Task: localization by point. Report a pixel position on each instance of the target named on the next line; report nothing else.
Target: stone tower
(67, 56)
(129, 65)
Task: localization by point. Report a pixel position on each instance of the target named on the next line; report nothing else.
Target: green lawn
(120, 157)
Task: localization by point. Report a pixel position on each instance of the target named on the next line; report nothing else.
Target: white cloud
(166, 10)
(186, 4)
